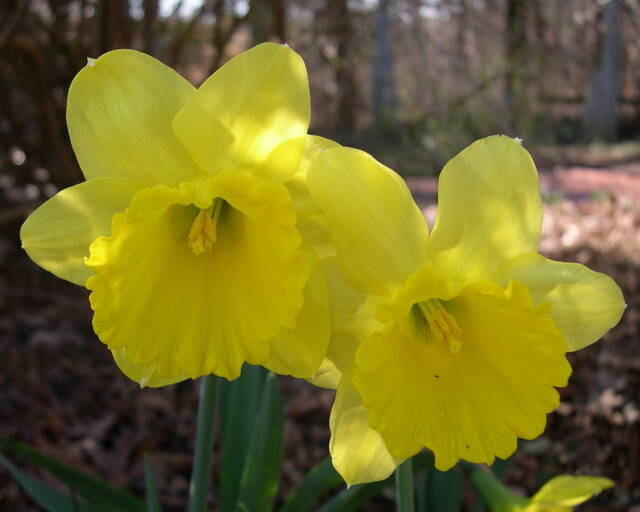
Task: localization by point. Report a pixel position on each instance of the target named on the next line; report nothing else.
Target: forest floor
(62, 393)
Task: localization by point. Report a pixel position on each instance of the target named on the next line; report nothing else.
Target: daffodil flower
(453, 341)
(560, 494)
(186, 230)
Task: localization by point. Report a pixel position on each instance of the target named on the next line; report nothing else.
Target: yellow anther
(442, 324)
(203, 235)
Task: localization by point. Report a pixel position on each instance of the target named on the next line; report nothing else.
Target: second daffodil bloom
(185, 229)
(453, 341)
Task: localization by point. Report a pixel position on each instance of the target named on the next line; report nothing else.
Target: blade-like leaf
(49, 498)
(319, 480)
(239, 403)
(444, 491)
(263, 463)
(153, 500)
(351, 499)
(103, 496)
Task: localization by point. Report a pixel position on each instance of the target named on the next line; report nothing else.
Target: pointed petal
(472, 404)
(584, 304)
(245, 110)
(311, 222)
(146, 376)
(379, 232)
(58, 234)
(120, 112)
(207, 313)
(357, 451)
(352, 318)
(489, 208)
(570, 491)
(300, 351)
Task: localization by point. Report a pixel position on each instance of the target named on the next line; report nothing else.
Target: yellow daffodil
(185, 229)
(453, 341)
(560, 494)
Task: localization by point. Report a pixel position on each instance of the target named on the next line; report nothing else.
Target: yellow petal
(146, 376)
(357, 451)
(471, 403)
(379, 232)
(311, 223)
(352, 318)
(570, 491)
(120, 112)
(58, 234)
(300, 351)
(199, 313)
(328, 376)
(489, 208)
(584, 304)
(245, 110)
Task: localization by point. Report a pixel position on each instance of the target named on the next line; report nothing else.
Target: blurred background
(410, 81)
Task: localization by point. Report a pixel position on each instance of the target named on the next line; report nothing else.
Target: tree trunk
(384, 93)
(604, 84)
(515, 43)
(347, 91)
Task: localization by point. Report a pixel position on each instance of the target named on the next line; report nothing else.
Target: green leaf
(319, 480)
(351, 499)
(239, 403)
(102, 496)
(499, 468)
(444, 491)
(261, 473)
(153, 500)
(49, 498)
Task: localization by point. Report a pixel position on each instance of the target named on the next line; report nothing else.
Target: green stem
(404, 487)
(203, 452)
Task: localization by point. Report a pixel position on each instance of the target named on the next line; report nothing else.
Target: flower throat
(441, 324)
(203, 232)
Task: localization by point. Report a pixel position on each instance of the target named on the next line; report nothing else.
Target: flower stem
(203, 452)
(404, 487)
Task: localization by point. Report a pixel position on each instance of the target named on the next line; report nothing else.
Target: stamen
(442, 324)
(203, 234)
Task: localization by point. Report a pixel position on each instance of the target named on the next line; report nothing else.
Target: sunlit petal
(357, 451)
(584, 304)
(570, 491)
(120, 112)
(58, 234)
(311, 222)
(240, 115)
(379, 232)
(489, 208)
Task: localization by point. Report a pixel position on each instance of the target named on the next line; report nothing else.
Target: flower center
(443, 326)
(202, 234)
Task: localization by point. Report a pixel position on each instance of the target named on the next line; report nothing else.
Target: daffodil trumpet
(453, 341)
(186, 230)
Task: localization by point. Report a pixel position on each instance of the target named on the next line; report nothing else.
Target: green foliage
(442, 491)
(239, 403)
(49, 498)
(101, 496)
(320, 479)
(153, 500)
(263, 463)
